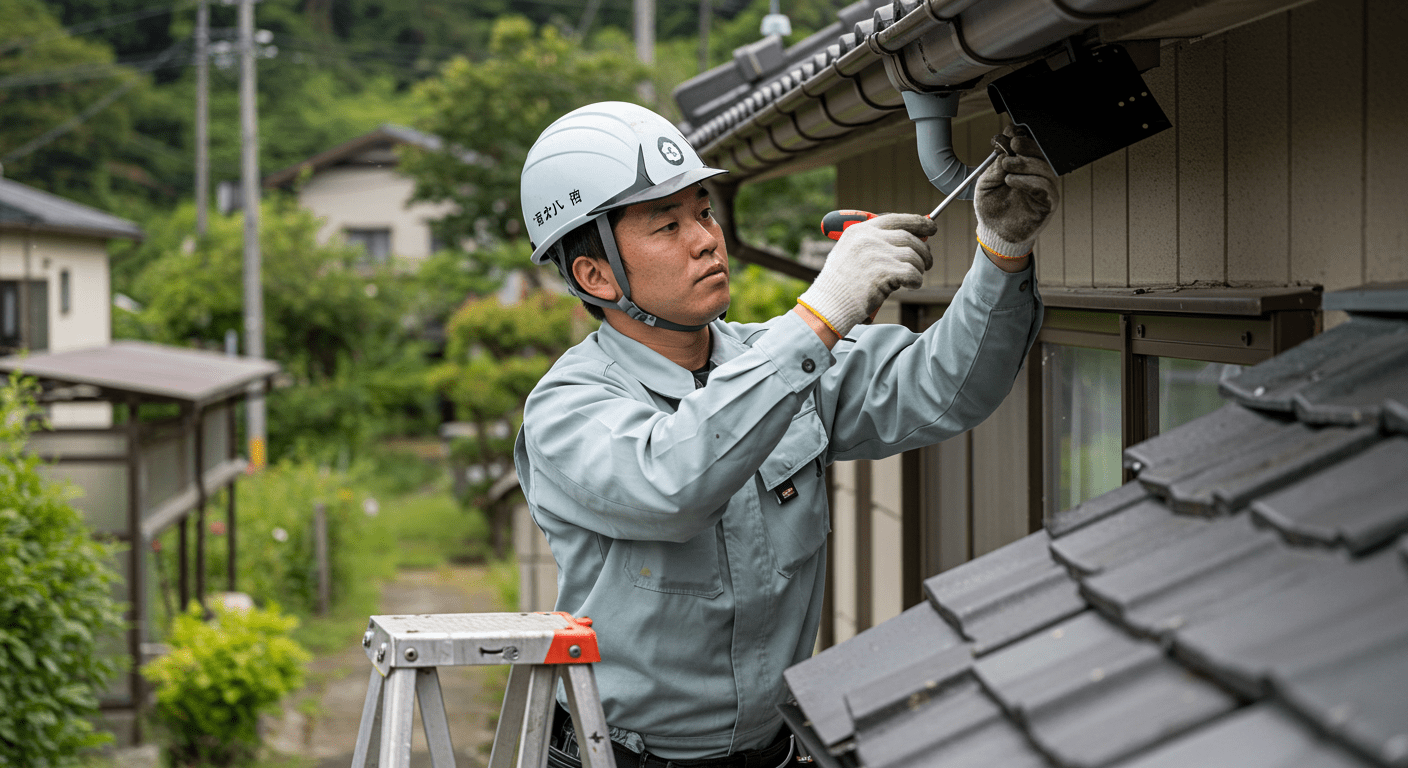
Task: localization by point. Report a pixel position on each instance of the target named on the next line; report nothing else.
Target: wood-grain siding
(1287, 165)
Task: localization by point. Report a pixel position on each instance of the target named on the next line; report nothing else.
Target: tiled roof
(1242, 602)
(386, 135)
(23, 207)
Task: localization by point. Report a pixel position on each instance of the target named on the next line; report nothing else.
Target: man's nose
(706, 239)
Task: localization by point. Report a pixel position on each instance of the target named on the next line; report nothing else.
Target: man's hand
(870, 261)
(1015, 196)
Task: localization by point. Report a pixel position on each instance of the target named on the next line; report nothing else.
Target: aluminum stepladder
(406, 651)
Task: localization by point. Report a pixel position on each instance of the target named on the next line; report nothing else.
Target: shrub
(219, 677)
(56, 605)
(276, 559)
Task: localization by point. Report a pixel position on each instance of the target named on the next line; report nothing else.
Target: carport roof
(147, 370)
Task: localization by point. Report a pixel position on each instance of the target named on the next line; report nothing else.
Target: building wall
(88, 321)
(1285, 166)
(367, 197)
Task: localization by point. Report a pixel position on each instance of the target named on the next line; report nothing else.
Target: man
(675, 461)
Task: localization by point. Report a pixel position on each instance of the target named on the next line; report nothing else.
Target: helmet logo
(670, 151)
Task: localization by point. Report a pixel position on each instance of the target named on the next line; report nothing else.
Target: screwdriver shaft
(983, 166)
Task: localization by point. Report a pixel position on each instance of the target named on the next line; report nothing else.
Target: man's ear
(595, 277)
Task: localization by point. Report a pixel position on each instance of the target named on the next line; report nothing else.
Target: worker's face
(675, 251)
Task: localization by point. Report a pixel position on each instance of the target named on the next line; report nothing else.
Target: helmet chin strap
(618, 268)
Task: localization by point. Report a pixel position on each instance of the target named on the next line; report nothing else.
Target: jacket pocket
(683, 568)
(797, 528)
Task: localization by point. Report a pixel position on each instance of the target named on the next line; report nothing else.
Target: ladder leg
(369, 732)
(397, 717)
(537, 725)
(510, 716)
(584, 702)
(432, 716)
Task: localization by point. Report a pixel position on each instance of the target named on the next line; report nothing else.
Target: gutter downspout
(724, 196)
(933, 114)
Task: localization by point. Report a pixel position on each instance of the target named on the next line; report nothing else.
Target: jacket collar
(653, 369)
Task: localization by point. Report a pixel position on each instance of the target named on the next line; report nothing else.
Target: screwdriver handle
(835, 222)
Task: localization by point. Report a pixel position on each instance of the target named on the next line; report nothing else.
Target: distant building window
(376, 242)
(16, 334)
(65, 292)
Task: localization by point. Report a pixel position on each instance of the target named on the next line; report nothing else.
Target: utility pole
(202, 117)
(705, 17)
(645, 44)
(249, 185)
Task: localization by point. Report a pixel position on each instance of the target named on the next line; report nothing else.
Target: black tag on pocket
(786, 492)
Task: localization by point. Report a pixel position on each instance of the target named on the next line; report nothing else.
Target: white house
(54, 283)
(361, 196)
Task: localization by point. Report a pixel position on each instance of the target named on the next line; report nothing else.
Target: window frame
(1237, 326)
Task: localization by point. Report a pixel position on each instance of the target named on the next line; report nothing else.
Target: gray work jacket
(661, 502)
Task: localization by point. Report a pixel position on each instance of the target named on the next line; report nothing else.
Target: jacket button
(1023, 286)
(808, 365)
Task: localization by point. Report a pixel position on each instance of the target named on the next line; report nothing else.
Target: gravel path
(321, 721)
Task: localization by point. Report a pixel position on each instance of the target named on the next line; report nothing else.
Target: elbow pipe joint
(933, 114)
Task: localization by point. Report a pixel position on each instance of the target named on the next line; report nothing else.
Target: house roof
(1242, 602)
(24, 208)
(387, 136)
(146, 370)
(772, 110)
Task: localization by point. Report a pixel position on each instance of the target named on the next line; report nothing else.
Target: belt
(776, 755)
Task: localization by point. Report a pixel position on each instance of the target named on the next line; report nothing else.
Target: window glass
(1083, 423)
(376, 242)
(1183, 390)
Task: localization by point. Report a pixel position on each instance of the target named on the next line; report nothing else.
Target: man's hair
(585, 241)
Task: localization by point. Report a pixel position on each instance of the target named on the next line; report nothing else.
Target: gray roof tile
(1090, 694)
(1261, 736)
(1278, 457)
(821, 682)
(1187, 563)
(1356, 395)
(959, 727)
(1098, 508)
(1272, 385)
(903, 688)
(1360, 692)
(1396, 415)
(1357, 503)
(1006, 594)
(1198, 593)
(1293, 627)
(1200, 443)
(1136, 531)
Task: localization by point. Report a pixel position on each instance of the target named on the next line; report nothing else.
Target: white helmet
(594, 159)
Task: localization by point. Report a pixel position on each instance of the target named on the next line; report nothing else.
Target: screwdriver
(834, 223)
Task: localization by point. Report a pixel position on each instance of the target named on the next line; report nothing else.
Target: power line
(85, 27)
(82, 117)
(91, 71)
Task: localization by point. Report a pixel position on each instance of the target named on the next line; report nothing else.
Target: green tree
(494, 356)
(496, 108)
(47, 78)
(56, 600)
(341, 330)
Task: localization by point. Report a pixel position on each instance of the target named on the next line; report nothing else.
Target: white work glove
(870, 261)
(1015, 196)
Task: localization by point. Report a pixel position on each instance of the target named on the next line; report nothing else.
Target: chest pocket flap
(804, 441)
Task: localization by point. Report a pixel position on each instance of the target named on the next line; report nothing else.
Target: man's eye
(708, 213)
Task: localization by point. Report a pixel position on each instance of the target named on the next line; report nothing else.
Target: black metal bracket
(1091, 107)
